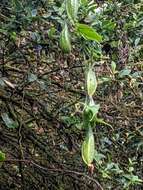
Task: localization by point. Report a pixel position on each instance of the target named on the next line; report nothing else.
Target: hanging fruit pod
(65, 42)
(91, 82)
(88, 147)
(72, 9)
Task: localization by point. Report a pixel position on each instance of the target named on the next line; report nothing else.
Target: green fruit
(72, 9)
(91, 82)
(65, 43)
(88, 147)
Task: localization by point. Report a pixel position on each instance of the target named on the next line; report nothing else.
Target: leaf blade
(88, 33)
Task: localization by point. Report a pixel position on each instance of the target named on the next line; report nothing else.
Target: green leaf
(88, 32)
(32, 77)
(17, 4)
(51, 32)
(8, 121)
(92, 107)
(124, 72)
(88, 147)
(137, 40)
(113, 66)
(113, 168)
(104, 79)
(79, 126)
(133, 178)
(2, 156)
(84, 2)
(98, 157)
(90, 113)
(109, 25)
(13, 36)
(3, 31)
(137, 74)
(99, 120)
(94, 110)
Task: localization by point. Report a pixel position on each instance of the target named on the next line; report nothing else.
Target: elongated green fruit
(91, 82)
(65, 42)
(72, 9)
(88, 147)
